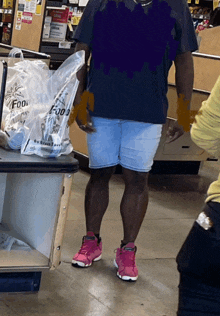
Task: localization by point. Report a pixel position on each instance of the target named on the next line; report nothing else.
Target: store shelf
(62, 44)
(200, 16)
(54, 40)
(6, 11)
(55, 8)
(56, 3)
(5, 23)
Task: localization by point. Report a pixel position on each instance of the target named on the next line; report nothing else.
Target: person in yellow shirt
(199, 257)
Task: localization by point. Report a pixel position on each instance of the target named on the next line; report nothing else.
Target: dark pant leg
(197, 298)
(199, 266)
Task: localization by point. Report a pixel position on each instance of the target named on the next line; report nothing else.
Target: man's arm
(82, 73)
(184, 86)
(80, 112)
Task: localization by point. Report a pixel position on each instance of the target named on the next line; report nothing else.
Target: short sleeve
(185, 32)
(84, 31)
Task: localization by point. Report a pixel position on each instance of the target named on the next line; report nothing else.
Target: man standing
(132, 45)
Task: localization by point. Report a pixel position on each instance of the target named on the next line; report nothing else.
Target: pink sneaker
(90, 251)
(125, 262)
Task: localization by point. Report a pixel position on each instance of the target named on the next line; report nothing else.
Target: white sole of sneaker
(83, 265)
(124, 277)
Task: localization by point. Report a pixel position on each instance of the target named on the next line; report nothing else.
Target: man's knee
(102, 174)
(137, 180)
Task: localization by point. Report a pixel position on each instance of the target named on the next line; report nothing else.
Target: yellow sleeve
(205, 131)
(213, 193)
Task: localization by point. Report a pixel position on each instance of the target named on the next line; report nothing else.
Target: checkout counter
(34, 201)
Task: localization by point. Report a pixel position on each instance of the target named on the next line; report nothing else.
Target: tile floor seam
(67, 262)
(91, 295)
(110, 309)
(11, 309)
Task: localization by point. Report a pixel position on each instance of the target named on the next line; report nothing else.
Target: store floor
(175, 201)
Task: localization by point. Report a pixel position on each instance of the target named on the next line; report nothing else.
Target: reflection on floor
(175, 201)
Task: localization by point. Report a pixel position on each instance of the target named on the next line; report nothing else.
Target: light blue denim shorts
(131, 144)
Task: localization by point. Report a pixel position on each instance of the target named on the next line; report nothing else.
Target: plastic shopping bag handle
(16, 51)
(3, 84)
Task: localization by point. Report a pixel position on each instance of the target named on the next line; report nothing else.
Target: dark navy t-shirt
(133, 48)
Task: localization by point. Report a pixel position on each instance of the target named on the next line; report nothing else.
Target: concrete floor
(175, 201)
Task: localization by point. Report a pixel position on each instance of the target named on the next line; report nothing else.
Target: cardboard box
(59, 15)
(58, 30)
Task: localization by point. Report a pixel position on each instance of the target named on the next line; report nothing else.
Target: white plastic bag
(9, 243)
(37, 106)
(46, 132)
(17, 103)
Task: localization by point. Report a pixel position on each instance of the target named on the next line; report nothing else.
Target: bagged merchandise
(9, 243)
(3, 139)
(37, 106)
(17, 101)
